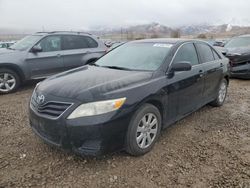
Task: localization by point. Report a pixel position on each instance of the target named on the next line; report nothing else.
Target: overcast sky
(87, 14)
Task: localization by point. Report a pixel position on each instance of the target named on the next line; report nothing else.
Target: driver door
(47, 62)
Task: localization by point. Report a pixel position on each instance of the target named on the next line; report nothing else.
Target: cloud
(79, 14)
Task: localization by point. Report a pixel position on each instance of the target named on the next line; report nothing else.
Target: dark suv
(45, 53)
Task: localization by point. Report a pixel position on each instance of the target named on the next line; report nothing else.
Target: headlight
(97, 108)
(34, 91)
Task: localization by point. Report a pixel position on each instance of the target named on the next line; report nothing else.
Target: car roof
(168, 40)
(62, 32)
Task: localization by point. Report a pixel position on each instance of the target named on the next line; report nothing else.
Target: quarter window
(205, 53)
(91, 42)
(216, 56)
(50, 44)
(187, 53)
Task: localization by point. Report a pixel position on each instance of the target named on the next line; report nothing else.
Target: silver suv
(46, 53)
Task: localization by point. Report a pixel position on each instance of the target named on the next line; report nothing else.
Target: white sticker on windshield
(163, 45)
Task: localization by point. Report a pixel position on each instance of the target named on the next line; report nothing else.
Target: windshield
(136, 56)
(238, 42)
(25, 43)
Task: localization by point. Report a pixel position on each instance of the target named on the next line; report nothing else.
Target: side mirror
(181, 66)
(36, 49)
(224, 51)
(222, 44)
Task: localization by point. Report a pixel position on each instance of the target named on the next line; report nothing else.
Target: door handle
(201, 73)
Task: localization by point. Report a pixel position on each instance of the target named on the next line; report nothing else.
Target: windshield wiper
(116, 67)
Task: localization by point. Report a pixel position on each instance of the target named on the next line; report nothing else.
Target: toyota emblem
(40, 99)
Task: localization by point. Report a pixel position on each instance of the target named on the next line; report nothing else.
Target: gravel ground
(210, 148)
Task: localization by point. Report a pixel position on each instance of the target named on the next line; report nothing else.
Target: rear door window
(216, 56)
(205, 52)
(78, 42)
(187, 53)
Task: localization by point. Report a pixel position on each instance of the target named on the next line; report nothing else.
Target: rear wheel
(221, 95)
(9, 81)
(143, 131)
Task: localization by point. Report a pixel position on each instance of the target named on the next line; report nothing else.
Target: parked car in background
(116, 45)
(219, 43)
(108, 42)
(6, 44)
(238, 51)
(46, 53)
(124, 99)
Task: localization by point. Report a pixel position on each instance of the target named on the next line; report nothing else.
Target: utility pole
(121, 33)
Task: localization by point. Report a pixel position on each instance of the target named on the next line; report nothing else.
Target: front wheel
(221, 95)
(143, 131)
(9, 81)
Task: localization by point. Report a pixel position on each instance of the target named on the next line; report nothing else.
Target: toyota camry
(126, 98)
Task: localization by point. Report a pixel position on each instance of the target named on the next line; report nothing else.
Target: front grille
(55, 139)
(51, 109)
(241, 71)
(239, 64)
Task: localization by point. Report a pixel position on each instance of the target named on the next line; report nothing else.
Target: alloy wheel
(222, 92)
(146, 130)
(7, 82)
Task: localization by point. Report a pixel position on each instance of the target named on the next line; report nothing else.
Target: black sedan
(238, 51)
(128, 96)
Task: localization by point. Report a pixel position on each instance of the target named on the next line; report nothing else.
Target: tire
(221, 95)
(9, 81)
(138, 131)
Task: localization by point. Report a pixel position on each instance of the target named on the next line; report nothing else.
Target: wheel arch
(157, 103)
(227, 79)
(14, 68)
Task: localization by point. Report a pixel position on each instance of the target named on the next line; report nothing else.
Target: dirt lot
(210, 148)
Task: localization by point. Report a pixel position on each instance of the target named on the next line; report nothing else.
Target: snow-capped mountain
(159, 29)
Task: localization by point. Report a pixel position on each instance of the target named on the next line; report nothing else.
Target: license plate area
(49, 130)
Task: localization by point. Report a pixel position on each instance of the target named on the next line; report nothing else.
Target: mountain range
(189, 30)
(156, 30)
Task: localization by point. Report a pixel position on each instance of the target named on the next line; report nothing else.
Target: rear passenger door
(213, 70)
(75, 50)
(187, 86)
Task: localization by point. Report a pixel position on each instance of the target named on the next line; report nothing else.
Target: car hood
(6, 51)
(242, 51)
(91, 83)
(238, 55)
(7, 55)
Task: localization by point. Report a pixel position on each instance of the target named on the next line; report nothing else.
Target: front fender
(18, 69)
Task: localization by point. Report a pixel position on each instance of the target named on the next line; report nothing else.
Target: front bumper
(240, 71)
(86, 136)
